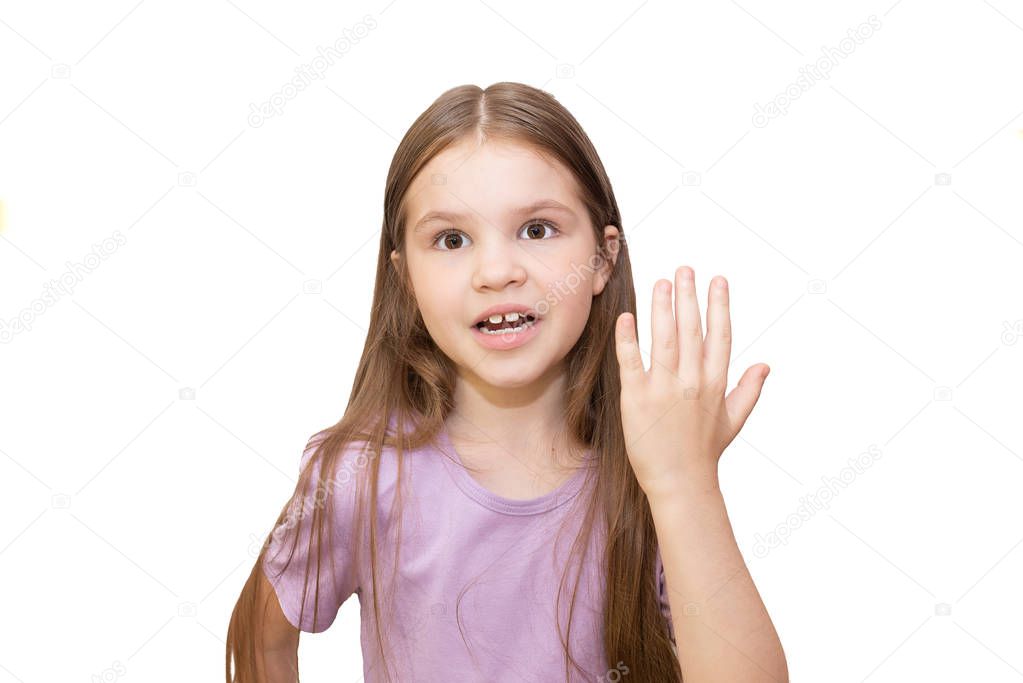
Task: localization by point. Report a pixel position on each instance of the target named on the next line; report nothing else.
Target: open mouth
(509, 323)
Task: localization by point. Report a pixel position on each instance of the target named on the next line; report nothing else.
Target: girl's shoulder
(352, 462)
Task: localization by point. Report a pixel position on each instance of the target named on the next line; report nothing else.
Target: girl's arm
(721, 625)
(677, 421)
(276, 639)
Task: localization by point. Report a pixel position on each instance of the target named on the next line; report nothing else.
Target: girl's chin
(504, 375)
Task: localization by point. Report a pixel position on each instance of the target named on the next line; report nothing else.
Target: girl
(510, 494)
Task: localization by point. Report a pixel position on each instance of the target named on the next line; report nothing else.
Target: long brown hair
(403, 379)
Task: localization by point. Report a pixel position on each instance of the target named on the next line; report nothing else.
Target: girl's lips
(501, 342)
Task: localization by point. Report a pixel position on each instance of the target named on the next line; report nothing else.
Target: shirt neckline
(509, 506)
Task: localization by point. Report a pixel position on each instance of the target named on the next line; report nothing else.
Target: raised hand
(676, 418)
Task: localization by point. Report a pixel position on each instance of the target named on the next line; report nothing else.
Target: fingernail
(664, 287)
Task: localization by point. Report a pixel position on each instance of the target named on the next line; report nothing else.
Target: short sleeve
(662, 596)
(335, 583)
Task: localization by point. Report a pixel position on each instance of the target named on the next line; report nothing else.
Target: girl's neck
(539, 450)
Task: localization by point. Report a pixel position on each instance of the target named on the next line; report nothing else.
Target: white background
(885, 299)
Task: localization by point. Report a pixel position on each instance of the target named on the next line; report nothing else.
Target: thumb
(630, 363)
(739, 403)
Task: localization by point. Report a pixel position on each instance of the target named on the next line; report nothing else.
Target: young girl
(509, 493)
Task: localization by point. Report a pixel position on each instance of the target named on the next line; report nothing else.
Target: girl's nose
(499, 263)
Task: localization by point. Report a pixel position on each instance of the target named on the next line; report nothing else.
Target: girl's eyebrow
(444, 215)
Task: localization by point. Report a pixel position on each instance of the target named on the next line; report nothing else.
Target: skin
(497, 261)
(277, 646)
(676, 418)
(677, 422)
(500, 255)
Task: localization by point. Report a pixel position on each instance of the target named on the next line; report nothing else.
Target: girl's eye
(541, 223)
(445, 236)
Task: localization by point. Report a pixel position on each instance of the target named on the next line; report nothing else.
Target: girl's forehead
(495, 174)
(469, 158)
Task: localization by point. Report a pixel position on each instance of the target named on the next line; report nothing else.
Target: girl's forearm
(721, 626)
(276, 640)
(281, 666)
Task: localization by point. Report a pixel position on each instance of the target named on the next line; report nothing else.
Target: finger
(739, 404)
(690, 327)
(717, 349)
(630, 363)
(664, 340)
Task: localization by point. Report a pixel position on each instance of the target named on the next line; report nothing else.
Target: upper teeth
(510, 317)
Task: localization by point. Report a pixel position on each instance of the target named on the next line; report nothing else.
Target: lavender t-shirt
(477, 574)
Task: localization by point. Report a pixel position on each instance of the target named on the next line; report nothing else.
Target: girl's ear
(394, 256)
(609, 248)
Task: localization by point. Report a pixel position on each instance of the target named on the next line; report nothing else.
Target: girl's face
(477, 237)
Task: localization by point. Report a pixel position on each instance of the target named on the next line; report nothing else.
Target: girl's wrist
(692, 486)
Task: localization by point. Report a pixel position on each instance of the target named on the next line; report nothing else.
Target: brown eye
(451, 239)
(535, 228)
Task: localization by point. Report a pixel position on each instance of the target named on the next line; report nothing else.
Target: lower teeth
(508, 330)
